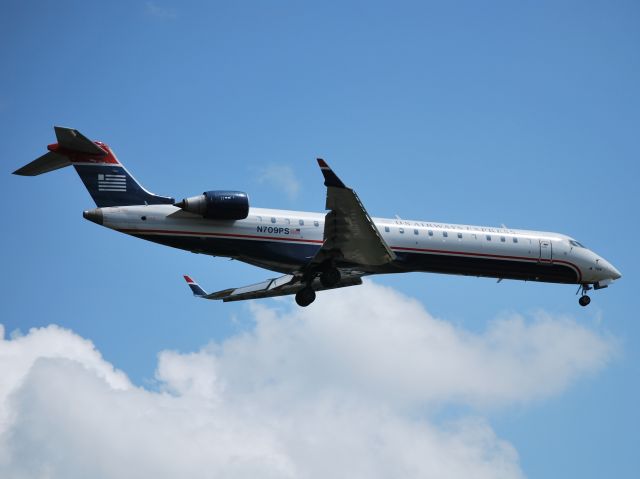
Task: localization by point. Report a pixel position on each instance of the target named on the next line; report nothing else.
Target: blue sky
(471, 112)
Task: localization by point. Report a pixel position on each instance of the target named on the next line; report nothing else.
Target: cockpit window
(575, 243)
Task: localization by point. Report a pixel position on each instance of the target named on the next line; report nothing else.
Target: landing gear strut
(584, 299)
(330, 277)
(305, 296)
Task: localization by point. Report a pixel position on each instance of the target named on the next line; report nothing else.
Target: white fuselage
(284, 240)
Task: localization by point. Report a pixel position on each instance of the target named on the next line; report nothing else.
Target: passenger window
(415, 232)
(315, 223)
(430, 233)
(459, 235)
(488, 237)
(301, 222)
(402, 230)
(259, 218)
(502, 238)
(287, 221)
(515, 240)
(273, 220)
(445, 234)
(386, 229)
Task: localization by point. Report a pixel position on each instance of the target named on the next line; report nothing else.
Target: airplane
(314, 251)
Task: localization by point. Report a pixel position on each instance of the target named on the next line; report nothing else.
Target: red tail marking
(79, 157)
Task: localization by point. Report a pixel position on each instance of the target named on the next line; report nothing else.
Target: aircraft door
(546, 254)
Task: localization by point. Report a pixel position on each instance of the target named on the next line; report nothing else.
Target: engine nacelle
(218, 205)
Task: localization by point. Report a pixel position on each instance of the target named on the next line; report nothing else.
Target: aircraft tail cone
(94, 215)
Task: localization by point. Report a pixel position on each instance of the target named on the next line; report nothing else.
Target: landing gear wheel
(330, 277)
(305, 296)
(584, 300)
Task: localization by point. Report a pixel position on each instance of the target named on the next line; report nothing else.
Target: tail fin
(108, 182)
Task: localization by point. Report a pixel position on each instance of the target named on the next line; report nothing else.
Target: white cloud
(375, 339)
(281, 177)
(18, 355)
(316, 392)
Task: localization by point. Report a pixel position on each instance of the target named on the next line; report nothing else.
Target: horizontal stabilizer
(75, 141)
(46, 163)
(70, 143)
(106, 179)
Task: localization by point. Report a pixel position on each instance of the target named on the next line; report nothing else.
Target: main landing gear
(329, 277)
(584, 299)
(305, 296)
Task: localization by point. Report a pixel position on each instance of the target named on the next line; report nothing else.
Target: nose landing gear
(584, 299)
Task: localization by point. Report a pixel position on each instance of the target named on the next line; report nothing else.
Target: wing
(282, 286)
(350, 235)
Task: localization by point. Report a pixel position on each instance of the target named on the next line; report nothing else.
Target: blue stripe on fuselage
(287, 257)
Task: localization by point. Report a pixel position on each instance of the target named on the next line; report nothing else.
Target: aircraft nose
(94, 215)
(610, 270)
(615, 274)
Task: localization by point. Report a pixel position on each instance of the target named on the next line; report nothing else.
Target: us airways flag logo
(111, 182)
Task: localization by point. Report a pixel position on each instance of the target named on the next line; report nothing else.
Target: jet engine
(218, 205)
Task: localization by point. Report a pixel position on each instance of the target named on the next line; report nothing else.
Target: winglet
(195, 287)
(330, 178)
